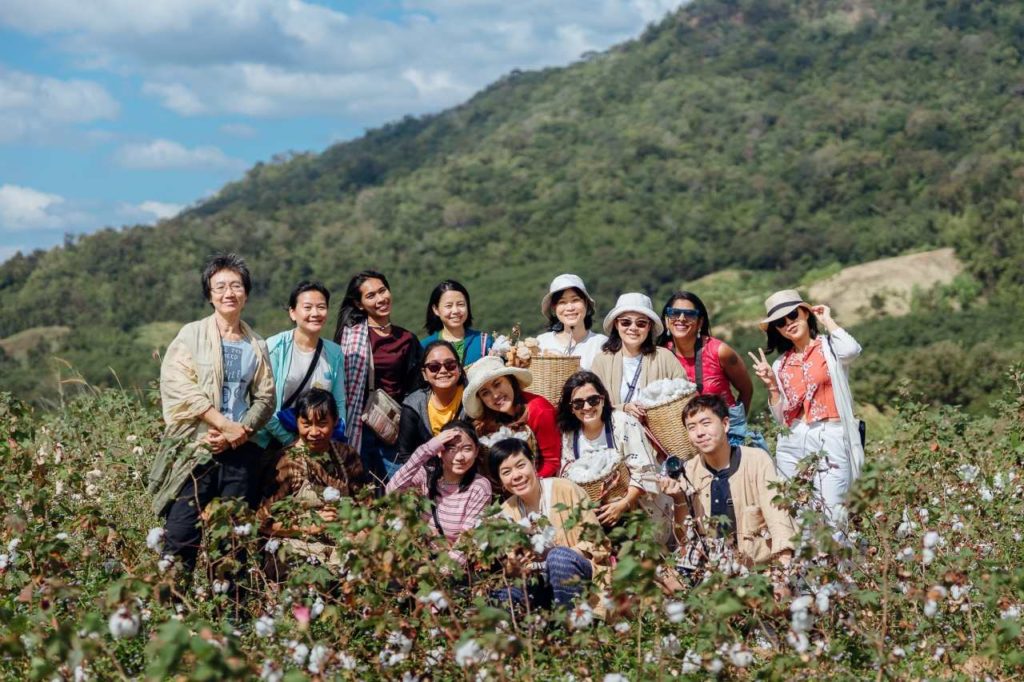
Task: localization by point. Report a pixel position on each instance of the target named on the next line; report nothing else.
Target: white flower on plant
(271, 671)
(331, 494)
(968, 472)
(273, 544)
(243, 530)
(581, 616)
(124, 623)
(155, 539)
(622, 627)
(675, 611)
(317, 657)
(691, 662)
(930, 608)
(469, 653)
(265, 626)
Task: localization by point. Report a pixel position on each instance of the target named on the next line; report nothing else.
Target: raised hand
(763, 369)
(824, 315)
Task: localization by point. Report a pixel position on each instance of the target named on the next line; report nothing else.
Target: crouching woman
(312, 475)
(574, 554)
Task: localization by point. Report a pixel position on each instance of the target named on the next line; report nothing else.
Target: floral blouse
(807, 385)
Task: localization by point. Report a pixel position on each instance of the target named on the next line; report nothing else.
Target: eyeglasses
(435, 367)
(781, 322)
(591, 400)
(236, 288)
(676, 313)
(639, 323)
(467, 449)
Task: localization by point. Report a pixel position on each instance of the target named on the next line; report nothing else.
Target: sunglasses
(676, 313)
(781, 322)
(435, 367)
(591, 400)
(639, 323)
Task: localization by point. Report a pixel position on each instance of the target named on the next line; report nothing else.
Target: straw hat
(634, 303)
(561, 283)
(780, 304)
(481, 372)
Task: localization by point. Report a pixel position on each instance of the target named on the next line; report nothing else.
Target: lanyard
(607, 439)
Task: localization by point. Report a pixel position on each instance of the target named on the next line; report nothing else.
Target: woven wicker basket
(666, 423)
(594, 488)
(550, 373)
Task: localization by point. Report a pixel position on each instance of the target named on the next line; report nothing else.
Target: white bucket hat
(634, 303)
(780, 304)
(561, 283)
(484, 370)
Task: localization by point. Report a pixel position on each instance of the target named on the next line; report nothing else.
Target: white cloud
(239, 130)
(167, 154)
(33, 106)
(285, 58)
(160, 210)
(24, 208)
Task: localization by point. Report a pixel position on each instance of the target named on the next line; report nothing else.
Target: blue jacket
(280, 348)
(474, 348)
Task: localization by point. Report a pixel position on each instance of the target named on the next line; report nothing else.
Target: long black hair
(434, 323)
(436, 470)
(441, 343)
(705, 319)
(780, 344)
(349, 312)
(567, 419)
(554, 324)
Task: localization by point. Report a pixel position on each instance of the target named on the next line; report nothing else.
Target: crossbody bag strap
(309, 373)
(437, 519)
(698, 365)
(636, 380)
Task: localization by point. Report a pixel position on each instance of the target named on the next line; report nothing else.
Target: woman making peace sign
(809, 392)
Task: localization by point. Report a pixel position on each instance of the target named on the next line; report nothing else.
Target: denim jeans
(378, 457)
(739, 431)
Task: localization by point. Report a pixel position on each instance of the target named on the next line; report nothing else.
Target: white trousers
(833, 477)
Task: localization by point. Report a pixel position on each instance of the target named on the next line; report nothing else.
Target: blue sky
(120, 112)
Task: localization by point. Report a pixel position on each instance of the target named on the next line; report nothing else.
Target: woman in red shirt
(719, 371)
(495, 399)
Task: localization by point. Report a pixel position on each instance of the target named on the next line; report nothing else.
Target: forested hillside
(782, 137)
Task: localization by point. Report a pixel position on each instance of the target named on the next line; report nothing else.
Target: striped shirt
(457, 510)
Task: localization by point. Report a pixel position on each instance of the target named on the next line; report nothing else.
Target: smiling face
(315, 430)
(458, 456)
(441, 368)
(707, 431)
(633, 329)
(587, 413)
(683, 325)
(794, 326)
(310, 312)
(227, 293)
(375, 298)
(571, 308)
(518, 475)
(497, 395)
(453, 309)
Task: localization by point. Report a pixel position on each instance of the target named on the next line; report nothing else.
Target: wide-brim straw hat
(561, 283)
(484, 370)
(780, 304)
(634, 303)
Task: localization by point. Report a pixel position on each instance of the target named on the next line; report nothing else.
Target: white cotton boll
(398, 640)
(299, 652)
(931, 539)
(968, 472)
(622, 627)
(801, 621)
(271, 672)
(675, 611)
(1010, 613)
(715, 666)
(155, 539)
(986, 493)
(670, 645)
(739, 656)
(581, 616)
(331, 494)
(927, 556)
(905, 554)
(265, 626)
(543, 540)
(998, 481)
(691, 663)
(799, 641)
(317, 609)
(165, 563)
(664, 391)
(317, 658)
(436, 599)
(220, 586)
(123, 623)
(821, 601)
(939, 652)
(615, 677)
(396, 524)
(800, 604)
(594, 466)
(958, 592)
(80, 674)
(899, 652)
(958, 525)
(273, 544)
(243, 530)
(469, 653)
(930, 608)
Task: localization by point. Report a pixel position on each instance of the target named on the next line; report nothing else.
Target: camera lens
(673, 467)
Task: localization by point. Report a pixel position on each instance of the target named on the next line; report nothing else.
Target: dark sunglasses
(781, 322)
(676, 313)
(592, 400)
(435, 367)
(626, 323)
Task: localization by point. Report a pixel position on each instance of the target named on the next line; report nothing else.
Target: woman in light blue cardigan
(292, 353)
(449, 318)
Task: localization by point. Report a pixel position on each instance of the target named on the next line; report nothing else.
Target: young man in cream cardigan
(731, 482)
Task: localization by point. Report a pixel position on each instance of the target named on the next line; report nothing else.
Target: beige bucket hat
(484, 370)
(780, 304)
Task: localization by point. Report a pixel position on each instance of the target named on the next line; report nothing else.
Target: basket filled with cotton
(664, 400)
(596, 469)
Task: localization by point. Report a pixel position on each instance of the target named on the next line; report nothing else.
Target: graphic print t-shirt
(239, 368)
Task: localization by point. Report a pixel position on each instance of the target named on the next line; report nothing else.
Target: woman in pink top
(445, 469)
(712, 364)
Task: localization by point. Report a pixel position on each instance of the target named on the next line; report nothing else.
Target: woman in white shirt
(569, 310)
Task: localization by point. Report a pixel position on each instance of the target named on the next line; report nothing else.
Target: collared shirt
(808, 387)
(721, 495)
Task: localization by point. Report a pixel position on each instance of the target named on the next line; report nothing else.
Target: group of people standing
(305, 418)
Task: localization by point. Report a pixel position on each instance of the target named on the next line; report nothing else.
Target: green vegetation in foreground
(933, 588)
(777, 136)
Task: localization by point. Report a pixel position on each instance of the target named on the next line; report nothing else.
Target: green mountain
(770, 135)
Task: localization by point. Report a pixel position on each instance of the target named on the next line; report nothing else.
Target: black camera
(673, 467)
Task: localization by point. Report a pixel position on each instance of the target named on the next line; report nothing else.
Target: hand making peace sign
(763, 369)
